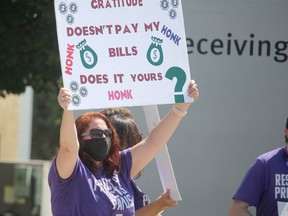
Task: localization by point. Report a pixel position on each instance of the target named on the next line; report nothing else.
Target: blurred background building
(23, 185)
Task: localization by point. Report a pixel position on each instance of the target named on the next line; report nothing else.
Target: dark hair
(117, 111)
(112, 162)
(127, 131)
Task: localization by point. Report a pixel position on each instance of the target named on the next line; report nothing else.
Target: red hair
(112, 162)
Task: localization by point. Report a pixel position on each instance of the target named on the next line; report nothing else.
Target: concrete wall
(16, 126)
(242, 108)
(9, 127)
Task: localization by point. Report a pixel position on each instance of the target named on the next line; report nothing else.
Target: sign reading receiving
(122, 52)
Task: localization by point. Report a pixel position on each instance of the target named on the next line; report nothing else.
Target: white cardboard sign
(163, 160)
(117, 53)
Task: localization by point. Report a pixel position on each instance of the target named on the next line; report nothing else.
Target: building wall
(242, 108)
(9, 127)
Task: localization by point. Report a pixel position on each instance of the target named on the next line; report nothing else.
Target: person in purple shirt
(129, 135)
(265, 185)
(90, 176)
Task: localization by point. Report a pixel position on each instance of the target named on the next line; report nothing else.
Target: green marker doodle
(88, 56)
(155, 54)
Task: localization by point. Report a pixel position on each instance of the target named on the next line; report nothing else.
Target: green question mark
(180, 75)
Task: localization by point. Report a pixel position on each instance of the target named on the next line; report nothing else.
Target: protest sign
(117, 53)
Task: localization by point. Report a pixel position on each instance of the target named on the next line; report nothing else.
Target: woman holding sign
(89, 175)
(129, 135)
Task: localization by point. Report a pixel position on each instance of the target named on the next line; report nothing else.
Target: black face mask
(98, 149)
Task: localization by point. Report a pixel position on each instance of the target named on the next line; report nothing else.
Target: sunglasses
(96, 133)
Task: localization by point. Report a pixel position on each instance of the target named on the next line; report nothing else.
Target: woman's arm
(158, 206)
(69, 146)
(147, 149)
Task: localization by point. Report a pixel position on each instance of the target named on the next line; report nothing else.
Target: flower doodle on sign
(73, 8)
(63, 9)
(74, 86)
(175, 3)
(165, 5)
(76, 99)
(83, 91)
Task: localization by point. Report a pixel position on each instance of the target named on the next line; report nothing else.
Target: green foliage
(28, 46)
(46, 124)
(29, 56)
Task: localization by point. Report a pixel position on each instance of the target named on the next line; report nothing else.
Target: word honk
(171, 35)
(69, 59)
(120, 95)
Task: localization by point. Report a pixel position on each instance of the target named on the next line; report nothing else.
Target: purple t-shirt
(265, 185)
(83, 194)
(140, 199)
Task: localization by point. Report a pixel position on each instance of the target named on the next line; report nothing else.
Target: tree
(29, 56)
(28, 44)
(46, 124)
